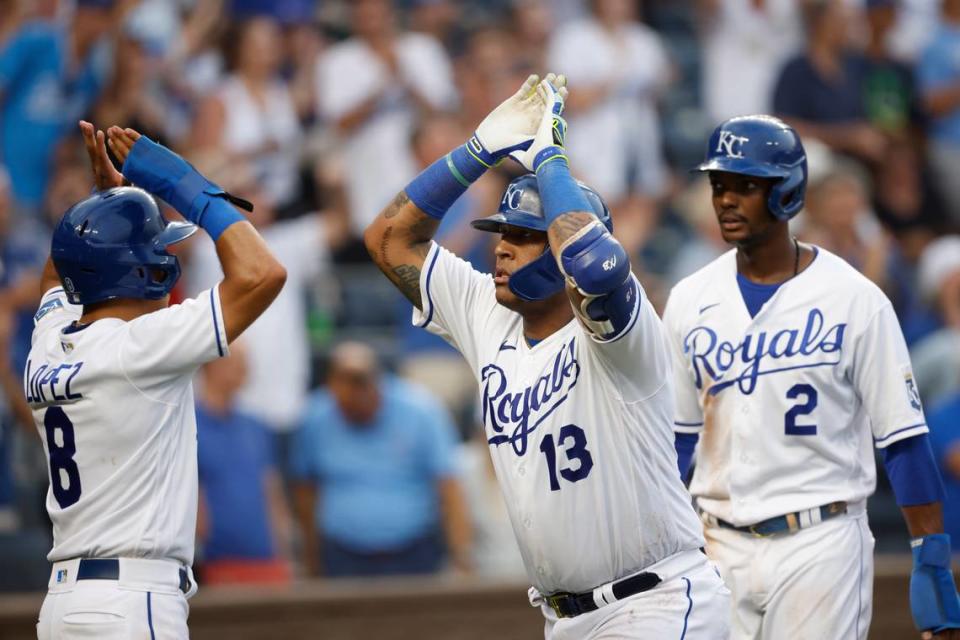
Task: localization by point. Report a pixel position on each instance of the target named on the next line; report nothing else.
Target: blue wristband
(438, 186)
(934, 602)
(216, 216)
(559, 192)
(165, 174)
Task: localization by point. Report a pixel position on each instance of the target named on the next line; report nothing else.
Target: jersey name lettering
(714, 358)
(525, 410)
(51, 384)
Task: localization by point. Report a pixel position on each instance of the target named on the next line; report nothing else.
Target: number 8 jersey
(113, 402)
(580, 431)
(789, 403)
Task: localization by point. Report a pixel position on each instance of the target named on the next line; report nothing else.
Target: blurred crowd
(337, 440)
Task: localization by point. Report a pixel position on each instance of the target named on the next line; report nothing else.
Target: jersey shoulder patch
(53, 304)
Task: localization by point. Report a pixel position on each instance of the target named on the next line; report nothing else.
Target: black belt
(568, 605)
(789, 522)
(109, 569)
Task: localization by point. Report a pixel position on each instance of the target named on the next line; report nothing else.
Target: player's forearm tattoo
(405, 276)
(563, 228)
(394, 207)
(407, 279)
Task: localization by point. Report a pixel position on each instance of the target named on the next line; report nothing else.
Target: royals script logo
(762, 354)
(513, 416)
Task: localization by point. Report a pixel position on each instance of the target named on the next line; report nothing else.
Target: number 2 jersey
(789, 403)
(580, 431)
(113, 401)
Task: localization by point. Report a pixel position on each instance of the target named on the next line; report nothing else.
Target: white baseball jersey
(113, 402)
(579, 431)
(791, 402)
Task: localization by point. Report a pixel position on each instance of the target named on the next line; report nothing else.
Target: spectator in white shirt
(277, 343)
(251, 118)
(745, 42)
(370, 88)
(616, 67)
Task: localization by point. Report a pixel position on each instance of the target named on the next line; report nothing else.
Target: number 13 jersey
(113, 402)
(580, 431)
(787, 401)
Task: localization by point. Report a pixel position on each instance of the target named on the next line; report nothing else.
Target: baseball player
(790, 366)
(108, 380)
(574, 378)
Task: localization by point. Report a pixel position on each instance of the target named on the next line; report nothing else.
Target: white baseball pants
(144, 603)
(691, 603)
(814, 584)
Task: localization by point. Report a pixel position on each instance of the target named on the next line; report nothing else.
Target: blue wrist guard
(165, 174)
(933, 595)
(438, 186)
(559, 192)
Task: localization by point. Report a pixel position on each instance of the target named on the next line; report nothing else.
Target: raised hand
(121, 142)
(509, 127)
(551, 128)
(105, 175)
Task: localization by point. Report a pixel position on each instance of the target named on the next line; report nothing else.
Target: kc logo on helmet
(731, 145)
(511, 197)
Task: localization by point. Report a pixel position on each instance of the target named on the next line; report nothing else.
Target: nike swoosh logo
(507, 347)
(709, 306)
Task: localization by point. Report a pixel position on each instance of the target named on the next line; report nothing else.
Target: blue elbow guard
(593, 261)
(165, 174)
(597, 265)
(933, 595)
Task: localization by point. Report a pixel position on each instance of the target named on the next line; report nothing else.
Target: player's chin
(506, 297)
(739, 235)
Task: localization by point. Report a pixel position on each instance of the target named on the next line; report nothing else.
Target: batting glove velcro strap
(165, 174)
(934, 602)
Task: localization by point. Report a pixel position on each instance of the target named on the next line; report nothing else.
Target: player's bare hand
(121, 141)
(105, 175)
(946, 634)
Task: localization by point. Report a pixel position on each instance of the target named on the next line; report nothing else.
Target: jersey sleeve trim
(901, 434)
(217, 319)
(687, 427)
(633, 317)
(425, 288)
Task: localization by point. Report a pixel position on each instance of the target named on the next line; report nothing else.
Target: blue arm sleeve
(913, 471)
(685, 444)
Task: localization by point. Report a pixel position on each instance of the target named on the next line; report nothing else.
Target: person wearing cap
(937, 356)
(377, 490)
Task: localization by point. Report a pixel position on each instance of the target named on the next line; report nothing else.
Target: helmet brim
(743, 166)
(496, 222)
(175, 232)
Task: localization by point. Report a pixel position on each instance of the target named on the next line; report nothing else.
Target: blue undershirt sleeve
(685, 444)
(913, 471)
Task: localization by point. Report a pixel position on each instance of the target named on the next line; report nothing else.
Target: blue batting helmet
(765, 147)
(114, 245)
(521, 207)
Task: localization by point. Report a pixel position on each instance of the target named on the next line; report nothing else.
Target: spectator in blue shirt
(50, 74)
(243, 524)
(944, 422)
(377, 492)
(821, 91)
(939, 75)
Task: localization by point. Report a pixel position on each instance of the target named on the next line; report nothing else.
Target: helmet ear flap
(787, 196)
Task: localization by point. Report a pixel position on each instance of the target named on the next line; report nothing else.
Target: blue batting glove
(934, 602)
(165, 174)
